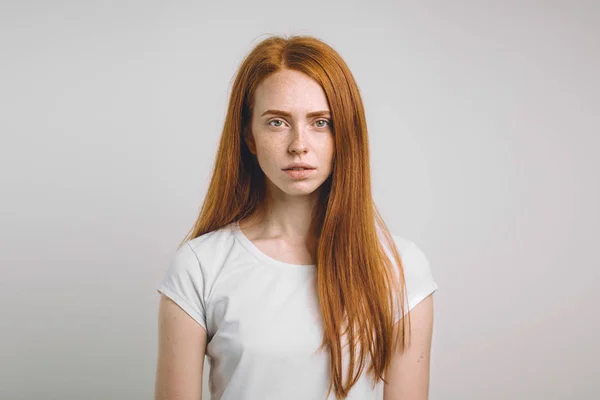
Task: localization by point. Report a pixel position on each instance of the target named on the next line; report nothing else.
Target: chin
(296, 188)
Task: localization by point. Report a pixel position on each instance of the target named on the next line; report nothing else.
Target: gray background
(483, 119)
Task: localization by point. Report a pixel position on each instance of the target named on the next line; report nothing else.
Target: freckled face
(278, 140)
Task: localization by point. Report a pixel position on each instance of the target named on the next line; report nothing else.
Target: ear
(249, 139)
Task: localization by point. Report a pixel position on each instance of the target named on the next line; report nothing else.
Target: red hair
(357, 281)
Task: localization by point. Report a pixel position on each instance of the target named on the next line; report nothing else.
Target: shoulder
(417, 271)
(203, 254)
(410, 253)
(212, 244)
(407, 248)
(402, 244)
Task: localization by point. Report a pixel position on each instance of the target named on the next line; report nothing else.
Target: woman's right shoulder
(207, 250)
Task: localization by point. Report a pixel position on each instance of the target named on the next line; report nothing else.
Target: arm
(181, 350)
(408, 374)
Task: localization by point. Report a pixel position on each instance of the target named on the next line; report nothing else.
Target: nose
(298, 144)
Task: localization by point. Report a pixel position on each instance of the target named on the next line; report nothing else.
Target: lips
(299, 174)
(302, 165)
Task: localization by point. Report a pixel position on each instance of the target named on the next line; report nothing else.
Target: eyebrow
(287, 114)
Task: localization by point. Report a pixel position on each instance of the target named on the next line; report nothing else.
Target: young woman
(289, 280)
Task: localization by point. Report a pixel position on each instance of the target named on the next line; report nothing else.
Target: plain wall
(483, 119)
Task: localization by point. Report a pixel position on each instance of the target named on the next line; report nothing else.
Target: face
(279, 139)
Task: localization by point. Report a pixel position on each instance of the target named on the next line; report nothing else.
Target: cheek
(268, 148)
(268, 151)
(328, 148)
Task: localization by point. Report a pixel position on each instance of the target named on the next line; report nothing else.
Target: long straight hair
(357, 282)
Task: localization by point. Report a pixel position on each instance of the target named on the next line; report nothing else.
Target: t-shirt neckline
(251, 247)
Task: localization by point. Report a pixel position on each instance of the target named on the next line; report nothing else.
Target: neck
(288, 219)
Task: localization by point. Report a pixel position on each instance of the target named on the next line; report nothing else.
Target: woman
(289, 252)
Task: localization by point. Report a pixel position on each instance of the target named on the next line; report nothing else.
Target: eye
(327, 122)
(275, 120)
(323, 120)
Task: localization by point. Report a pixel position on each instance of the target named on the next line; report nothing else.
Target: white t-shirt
(262, 317)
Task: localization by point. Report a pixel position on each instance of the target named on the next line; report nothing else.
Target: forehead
(291, 91)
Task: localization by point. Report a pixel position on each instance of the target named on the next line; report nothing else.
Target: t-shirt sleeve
(418, 277)
(184, 283)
